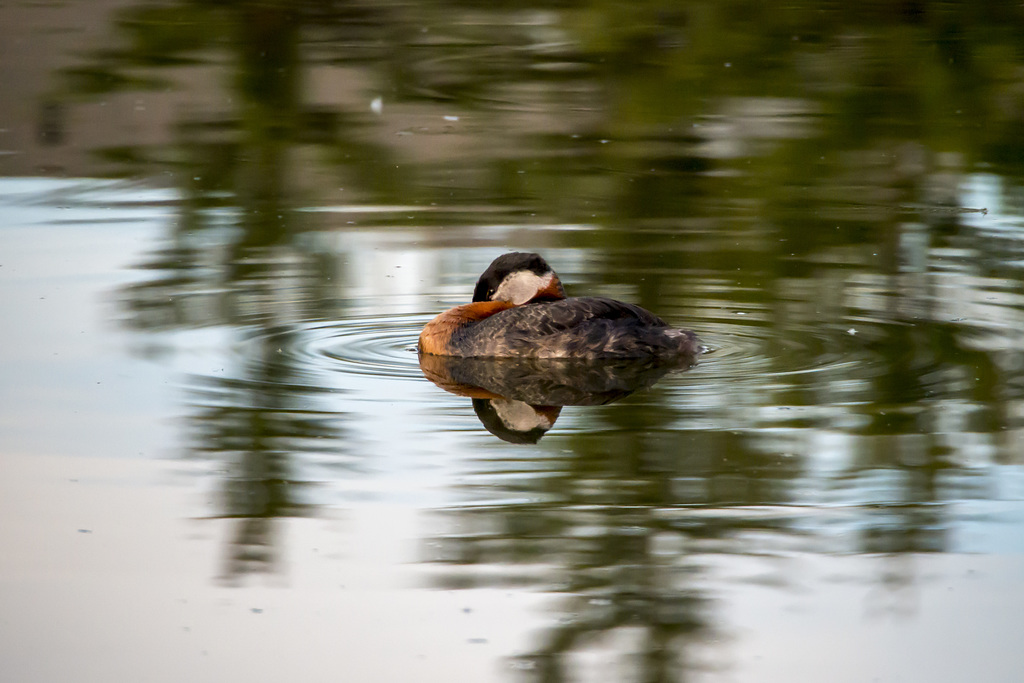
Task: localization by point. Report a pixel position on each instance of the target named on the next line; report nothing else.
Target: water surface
(226, 224)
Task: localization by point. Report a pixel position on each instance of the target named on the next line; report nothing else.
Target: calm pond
(224, 225)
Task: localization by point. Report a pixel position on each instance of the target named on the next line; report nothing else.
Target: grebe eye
(490, 293)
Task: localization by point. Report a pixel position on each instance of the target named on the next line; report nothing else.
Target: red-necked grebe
(520, 310)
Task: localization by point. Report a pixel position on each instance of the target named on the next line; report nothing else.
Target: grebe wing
(549, 317)
(585, 327)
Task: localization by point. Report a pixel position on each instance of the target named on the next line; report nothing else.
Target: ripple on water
(385, 347)
(379, 346)
(743, 350)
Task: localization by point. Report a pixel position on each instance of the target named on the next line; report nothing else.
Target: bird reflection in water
(519, 399)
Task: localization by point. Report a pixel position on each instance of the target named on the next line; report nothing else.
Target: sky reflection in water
(223, 236)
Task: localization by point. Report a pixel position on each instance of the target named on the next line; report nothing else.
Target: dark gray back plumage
(584, 327)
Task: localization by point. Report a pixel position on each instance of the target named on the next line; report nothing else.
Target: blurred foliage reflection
(830, 192)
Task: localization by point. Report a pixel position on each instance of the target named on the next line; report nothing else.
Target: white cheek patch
(521, 286)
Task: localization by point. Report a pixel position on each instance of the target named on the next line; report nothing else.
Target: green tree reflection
(802, 165)
(236, 176)
(621, 524)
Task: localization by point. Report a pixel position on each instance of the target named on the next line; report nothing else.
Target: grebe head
(518, 277)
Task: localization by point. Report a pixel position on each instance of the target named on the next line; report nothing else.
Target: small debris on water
(851, 331)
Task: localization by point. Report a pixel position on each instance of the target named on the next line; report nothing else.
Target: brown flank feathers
(435, 336)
